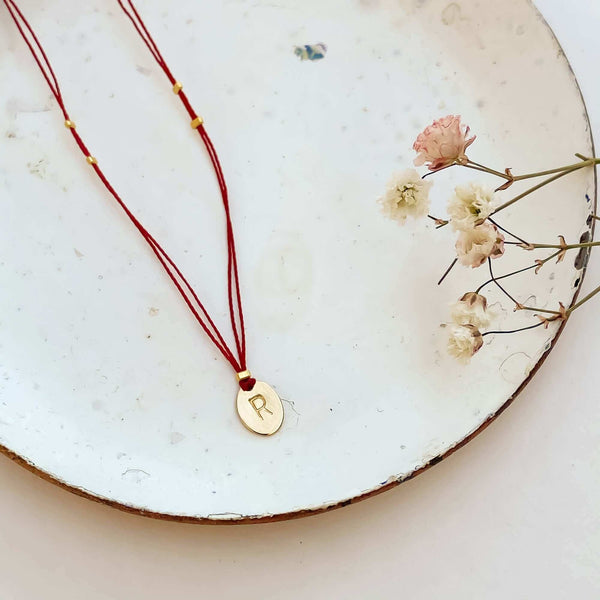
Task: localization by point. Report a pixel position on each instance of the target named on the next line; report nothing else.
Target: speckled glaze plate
(108, 386)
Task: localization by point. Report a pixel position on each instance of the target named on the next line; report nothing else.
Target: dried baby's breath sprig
(471, 212)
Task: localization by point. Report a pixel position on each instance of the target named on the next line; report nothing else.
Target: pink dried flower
(443, 143)
(474, 246)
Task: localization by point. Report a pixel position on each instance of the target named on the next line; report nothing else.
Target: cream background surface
(512, 515)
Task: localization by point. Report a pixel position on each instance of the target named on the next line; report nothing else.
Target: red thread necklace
(258, 405)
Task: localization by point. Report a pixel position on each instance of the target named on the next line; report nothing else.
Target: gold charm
(260, 409)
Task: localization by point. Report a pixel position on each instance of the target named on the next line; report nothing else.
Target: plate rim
(229, 519)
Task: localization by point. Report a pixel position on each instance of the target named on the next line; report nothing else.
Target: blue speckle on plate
(311, 51)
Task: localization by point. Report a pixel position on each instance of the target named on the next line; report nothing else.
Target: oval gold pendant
(260, 409)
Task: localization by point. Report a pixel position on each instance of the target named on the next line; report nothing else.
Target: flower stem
(514, 330)
(506, 230)
(574, 167)
(584, 162)
(584, 300)
(439, 222)
(566, 246)
(430, 173)
(532, 189)
(478, 167)
(495, 280)
(519, 306)
(447, 271)
(535, 266)
(556, 173)
(544, 310)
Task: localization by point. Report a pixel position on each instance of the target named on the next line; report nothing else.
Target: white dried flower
(470, 206)
(471, 309)
(464, 342)
(407, 195)
(474, 246)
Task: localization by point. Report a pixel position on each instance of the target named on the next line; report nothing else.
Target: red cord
(183, 286)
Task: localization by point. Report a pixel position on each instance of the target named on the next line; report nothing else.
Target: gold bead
(177, 87)
(69, 124)
(244, 375)
(197, 122)
(91, 160)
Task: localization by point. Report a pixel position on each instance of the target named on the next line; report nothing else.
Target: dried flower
(471, 309)
(464, 342)
(407, 195)
(474, 246)
(470, 206)
(443, 143)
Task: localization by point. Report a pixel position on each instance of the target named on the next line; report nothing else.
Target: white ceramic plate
(108, 386)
